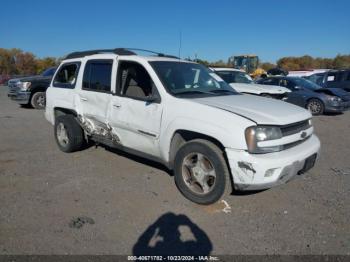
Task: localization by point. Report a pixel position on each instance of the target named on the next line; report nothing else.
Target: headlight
(255, 134)
(336, 99)
(310, 122)
(24, 86)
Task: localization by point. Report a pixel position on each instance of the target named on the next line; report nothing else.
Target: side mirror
(153, 98)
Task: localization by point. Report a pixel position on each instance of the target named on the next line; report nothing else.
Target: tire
(38, 100)
(212, 158)
(73, 138)
(315, 106)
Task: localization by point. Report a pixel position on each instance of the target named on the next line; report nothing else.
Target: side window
(67, 75)
(348, 77)
(134, 81)
(226, 76)
(97, 75)
(331, 77)
(341, 76)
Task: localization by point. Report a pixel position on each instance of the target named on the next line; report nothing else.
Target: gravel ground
(101, 202)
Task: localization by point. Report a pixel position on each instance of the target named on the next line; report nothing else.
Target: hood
(31, 78)
(259, 89)
(258, 109)
(335, 92)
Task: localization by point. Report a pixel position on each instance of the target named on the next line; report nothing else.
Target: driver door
(136, 109)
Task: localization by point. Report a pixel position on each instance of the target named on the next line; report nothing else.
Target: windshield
(190, 78)
(316, 78)
(235, 77)
(49, 72)
(306, 83)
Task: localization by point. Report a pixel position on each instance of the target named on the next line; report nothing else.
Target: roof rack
(117, 51)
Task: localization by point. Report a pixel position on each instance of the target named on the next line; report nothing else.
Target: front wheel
(200, 171)
(38, 100)
(315, 106)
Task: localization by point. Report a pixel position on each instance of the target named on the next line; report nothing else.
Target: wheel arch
(37, 88)
(59, 111)
(182, 136)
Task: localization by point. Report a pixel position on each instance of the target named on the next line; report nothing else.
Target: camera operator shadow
(166, 237)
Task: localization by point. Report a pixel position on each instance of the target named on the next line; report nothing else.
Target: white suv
(183, 115)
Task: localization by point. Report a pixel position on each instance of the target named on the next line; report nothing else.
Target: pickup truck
(31, 90)
(180, 114)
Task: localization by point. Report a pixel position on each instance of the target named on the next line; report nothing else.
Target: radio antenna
(180, 43)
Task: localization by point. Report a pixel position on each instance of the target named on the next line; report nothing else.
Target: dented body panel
(261, 171)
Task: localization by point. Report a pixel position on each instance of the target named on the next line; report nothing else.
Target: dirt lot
(102, 202)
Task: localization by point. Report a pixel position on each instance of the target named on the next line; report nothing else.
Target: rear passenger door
(95, 94)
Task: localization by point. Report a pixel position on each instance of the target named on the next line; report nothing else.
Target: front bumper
(262, 171)
(338, 108)
(22, 97)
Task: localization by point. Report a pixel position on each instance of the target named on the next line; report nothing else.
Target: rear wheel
(68, 134)
(315, 106)
(38, 100)
(201, 171)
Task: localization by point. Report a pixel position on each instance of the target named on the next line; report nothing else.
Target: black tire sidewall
(220, 182)
(34, 98)
(74, 133)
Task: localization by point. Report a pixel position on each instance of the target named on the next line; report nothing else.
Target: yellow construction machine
(248, 63)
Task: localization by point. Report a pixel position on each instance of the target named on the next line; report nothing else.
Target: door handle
(83, 99)
(117, 106)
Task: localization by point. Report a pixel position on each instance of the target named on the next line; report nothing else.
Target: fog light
(270, 172)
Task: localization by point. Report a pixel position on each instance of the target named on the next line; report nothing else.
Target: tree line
(17, 62)
(294, 63)
(14, 61)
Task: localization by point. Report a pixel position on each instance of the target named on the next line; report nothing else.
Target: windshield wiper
(223, 91)
(193, 92)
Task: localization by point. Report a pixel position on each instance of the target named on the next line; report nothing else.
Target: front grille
(12, 87)
(290, 145)
(295, 128)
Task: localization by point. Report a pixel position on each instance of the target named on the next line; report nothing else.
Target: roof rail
(117, 51)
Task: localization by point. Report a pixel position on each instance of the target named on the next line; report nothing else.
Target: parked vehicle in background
(277, 72)
(306, 73)
(4, 79)
(31, 90)
(312, 96)
(332, 79)
(180, 114)
(243, 83)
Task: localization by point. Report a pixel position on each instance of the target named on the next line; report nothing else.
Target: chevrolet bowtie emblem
(303, 134)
